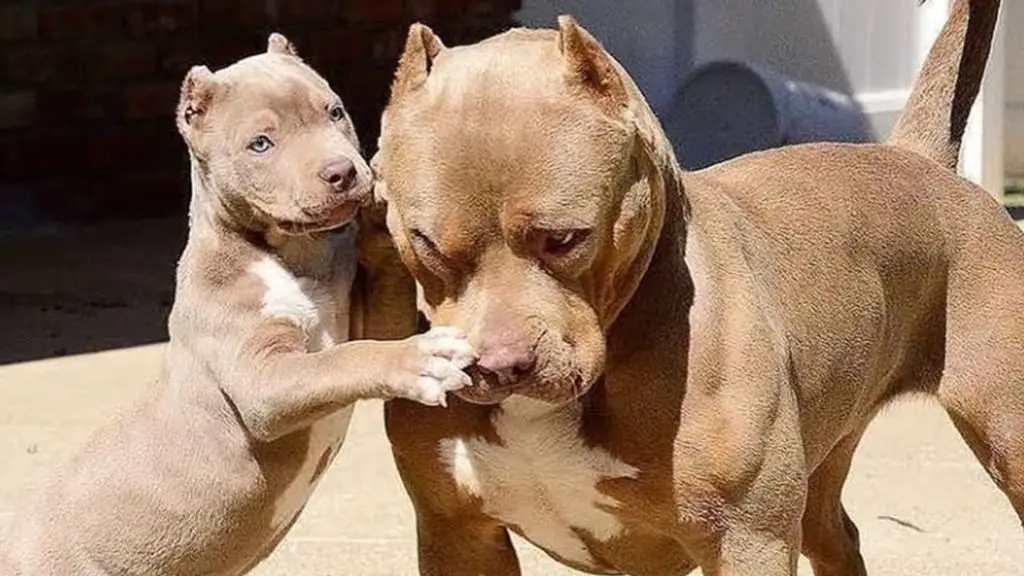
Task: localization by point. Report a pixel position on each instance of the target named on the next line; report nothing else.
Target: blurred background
(87, 87)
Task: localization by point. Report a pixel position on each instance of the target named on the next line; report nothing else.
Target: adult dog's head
(524, 177)
(272, 144)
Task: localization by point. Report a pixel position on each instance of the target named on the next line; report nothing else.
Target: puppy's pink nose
(339, 174)
(507, 361)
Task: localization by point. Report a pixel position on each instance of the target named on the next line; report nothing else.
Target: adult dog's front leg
(454, 536)
(746, 522)
(751, 536)
(749, 552)
(741, 480)
(758, 533)
(458, 546)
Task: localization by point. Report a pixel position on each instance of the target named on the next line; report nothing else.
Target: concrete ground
(83, 321)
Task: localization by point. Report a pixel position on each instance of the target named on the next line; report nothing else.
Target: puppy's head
(522, 195)
(272, 144)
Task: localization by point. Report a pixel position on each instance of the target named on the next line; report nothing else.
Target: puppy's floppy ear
(422, 47)
(278, 44)
(589, 66)
(196, 95)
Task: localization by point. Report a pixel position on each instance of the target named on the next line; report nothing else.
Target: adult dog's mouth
(568, 390)
(488, 389)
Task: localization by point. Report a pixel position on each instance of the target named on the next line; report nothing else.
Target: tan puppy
(675, 368)
(207, 473)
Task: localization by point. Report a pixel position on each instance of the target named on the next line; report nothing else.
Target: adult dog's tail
(934, 119)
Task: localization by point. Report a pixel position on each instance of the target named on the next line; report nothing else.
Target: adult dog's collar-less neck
(666, 268)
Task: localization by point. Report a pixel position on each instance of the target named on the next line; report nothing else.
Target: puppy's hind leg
(830, 538)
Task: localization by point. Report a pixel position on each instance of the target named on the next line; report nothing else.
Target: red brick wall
(88, 87)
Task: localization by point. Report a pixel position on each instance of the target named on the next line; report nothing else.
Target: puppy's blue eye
(260, 144)
(337, 113)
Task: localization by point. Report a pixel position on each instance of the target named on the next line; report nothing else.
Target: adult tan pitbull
(675, 368)
(206, 473)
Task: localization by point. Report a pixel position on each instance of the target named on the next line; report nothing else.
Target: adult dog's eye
(337, 113)
(260, 144)
(430, 251)
(424, 241)
(430, 267)
(559, 242)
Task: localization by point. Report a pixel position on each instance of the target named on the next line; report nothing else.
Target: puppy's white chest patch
(542, 480)
(319, 309)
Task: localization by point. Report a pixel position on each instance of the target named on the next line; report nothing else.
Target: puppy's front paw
(443, 353)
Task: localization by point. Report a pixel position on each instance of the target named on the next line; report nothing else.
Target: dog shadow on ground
(80, 290)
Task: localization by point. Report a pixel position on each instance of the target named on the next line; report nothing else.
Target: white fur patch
(542, 480)
(421, 302)
(462, 467)
(304, 301)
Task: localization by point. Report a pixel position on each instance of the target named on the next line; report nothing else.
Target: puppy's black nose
(339, 174)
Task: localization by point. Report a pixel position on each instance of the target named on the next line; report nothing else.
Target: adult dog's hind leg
(990, 418)
(982, 388)
(830, 538)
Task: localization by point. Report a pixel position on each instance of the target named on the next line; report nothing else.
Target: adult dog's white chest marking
(321, 311)
(543, 479)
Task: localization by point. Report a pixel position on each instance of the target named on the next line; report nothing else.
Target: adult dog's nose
(507, 362)
(339, 173)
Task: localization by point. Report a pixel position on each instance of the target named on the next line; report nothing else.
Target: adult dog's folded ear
(197, 93)
(589, 66)
(422, 48)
